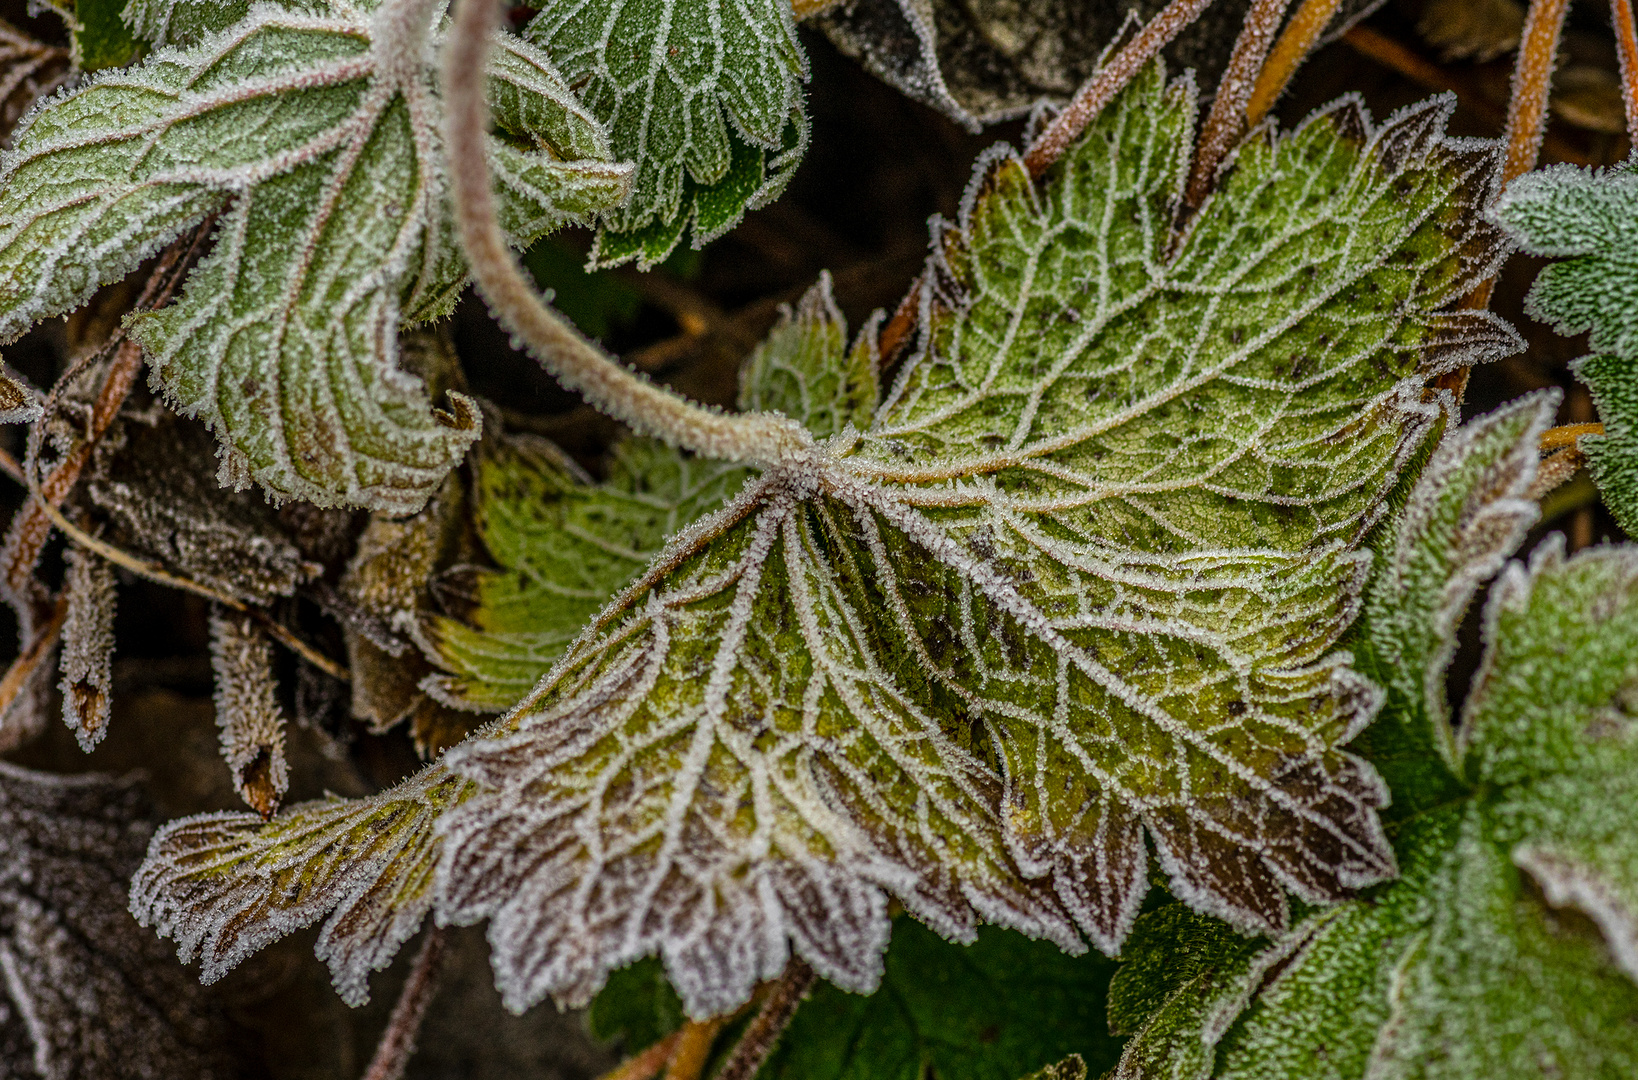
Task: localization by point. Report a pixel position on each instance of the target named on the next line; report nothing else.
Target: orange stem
(1567, 435)
(1101, 89)
(1532, 86)
(694, 1048)
(1289, 52)
(1626, 44)
(646, 1063)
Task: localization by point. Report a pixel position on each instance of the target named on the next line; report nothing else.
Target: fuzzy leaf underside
(704, 96)
(1076, 590)
(1043, 609)
(564, 547)
(1507, 947)
(1590, 220)
(332, 228)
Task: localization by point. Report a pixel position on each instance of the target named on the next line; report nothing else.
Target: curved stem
(576, 362)
(1626, 44)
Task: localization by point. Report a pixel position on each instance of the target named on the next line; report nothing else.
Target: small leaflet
(332, 228)
(85, 993)
(248, 715)
(224, 885)
(1506, 949)
(88, 646)
(704, 96)
(182, 22)
(1588, 219)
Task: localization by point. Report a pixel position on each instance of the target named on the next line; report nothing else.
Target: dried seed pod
(88, 647)
(247, 710)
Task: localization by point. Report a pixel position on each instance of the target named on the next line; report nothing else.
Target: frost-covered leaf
(565, 547)
(85, 994)
(224, 885)
(1078, 586)
(1507, 947)
(1590, 220)
(1075, 591)
(993, 1010)
(88, 646)
(181, 22)
(1468, 512)
(321, 161)
(248, 716)
(18, 404)
(703, 95)
(153, 488)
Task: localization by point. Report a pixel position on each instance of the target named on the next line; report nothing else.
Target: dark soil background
(879, 166)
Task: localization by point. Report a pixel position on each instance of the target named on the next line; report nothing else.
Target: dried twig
(763, 1033)
(1289, 52)
(1110, 79)
(1626, 44)
(1226, 120)
(397, 1043)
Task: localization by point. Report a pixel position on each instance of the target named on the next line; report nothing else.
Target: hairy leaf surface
(1506, 948)
(565, 547)
(1076, 591)
(1077, 586)
(1590, 220)
(321, 162)
(703, 95)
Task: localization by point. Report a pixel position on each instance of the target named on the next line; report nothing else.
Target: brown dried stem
(1626, 44)
(1227, 118)
(1289, 52)
(27, 663)
(763, 1033)
(577, 363)
(397, 1043)
(1110, 79)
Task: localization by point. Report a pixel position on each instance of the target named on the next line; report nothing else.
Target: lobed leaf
(703, 97)
(1589, 220)
(224, 885)
(1506, 948)
(1078, 589)
(321, 166)
(1040, 611)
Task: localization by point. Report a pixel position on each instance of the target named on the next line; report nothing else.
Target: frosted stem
(1227, 118)
(1110, 79)
(763, 1033)
(1532, 83)
(1626, 44)
(576, 362)
(1289, 52)
(397, 1044)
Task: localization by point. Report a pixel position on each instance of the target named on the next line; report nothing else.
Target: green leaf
(183, 22)
(1076, 589)
(565, 547)
(1590, 220)
(637, 1006)
(226, 884)
(1507, 947)
(598, 302)
(333, 226)
(100, 38)
(993, 1010)
(1469, 511)
(703, 96)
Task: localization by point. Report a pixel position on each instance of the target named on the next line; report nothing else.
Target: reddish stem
(1289, 52)
(1626, 44)
(397, 1044)
(1226, 120)
(1101, 89)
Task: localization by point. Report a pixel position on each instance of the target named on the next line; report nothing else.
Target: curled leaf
(248, 715)
(88, 646)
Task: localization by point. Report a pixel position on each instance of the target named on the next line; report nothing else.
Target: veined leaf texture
(314, 151)
(1073, 593)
